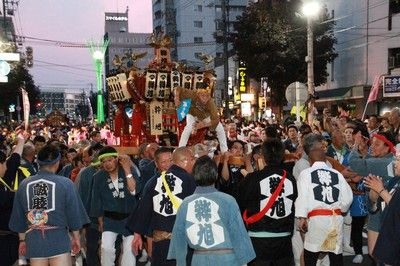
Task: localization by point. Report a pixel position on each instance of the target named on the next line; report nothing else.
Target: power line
(66, 66)
(71, 44)
(368, 43)
(64, 71)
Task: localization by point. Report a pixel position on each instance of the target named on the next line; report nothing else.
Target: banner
(373, 94)
(156, 127)
(26, 106)
(183, 109)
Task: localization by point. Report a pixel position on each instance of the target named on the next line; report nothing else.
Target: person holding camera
(387, 248)
(378, 161)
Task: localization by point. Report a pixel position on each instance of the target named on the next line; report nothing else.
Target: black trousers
(311, 258)
(92, 245)
(9, 244)
(357, 224)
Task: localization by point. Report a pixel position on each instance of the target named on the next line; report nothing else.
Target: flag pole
(373, 93)
(365, 109)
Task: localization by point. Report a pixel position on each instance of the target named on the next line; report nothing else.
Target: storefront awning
(347, 93)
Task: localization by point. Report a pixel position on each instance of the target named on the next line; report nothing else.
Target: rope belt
(265, 234)
(324, 212)
(41, 228)
(213, 251)
(159, 235)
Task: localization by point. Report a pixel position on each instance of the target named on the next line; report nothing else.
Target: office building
(122, 41)
(368, 46)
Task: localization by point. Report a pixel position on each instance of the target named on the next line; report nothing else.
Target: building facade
(122, 41)
(196, 28)
(66, 100)
(368, 46)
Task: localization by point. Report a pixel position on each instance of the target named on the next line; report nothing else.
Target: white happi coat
(322, 187)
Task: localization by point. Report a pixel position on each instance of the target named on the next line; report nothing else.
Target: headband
(386, 141)
(105, 155)
(49, 162)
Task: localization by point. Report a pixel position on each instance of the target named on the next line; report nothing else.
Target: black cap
(361, 128)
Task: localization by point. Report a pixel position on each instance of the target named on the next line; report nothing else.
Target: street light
(310, 10)
(97, 50)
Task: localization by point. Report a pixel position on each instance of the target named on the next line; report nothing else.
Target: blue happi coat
(46, 206)
(210, 220)
(105, 198)
(156, 211)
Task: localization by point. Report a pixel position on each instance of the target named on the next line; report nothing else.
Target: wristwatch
(129, 176)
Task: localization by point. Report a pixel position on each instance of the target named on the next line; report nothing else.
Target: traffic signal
(29, 56)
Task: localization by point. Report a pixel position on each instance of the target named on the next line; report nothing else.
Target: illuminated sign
(247, 97)
(116, 18)
(391, 86)
(242, 79)
(246, 109)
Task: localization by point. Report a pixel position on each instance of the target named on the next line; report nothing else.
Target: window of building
(394, 6)
(198, 8)
(197, 55)
(218, 24)
(158, 14)
(198, 39)
(198, 24)
(394, 58)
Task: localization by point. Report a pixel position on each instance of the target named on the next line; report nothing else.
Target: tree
(18, 76)
(272, 40)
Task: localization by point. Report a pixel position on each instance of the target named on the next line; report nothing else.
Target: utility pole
(310, 10)
(4, 18)
(225, 27)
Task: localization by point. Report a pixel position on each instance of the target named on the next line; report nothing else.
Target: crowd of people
(272, 194)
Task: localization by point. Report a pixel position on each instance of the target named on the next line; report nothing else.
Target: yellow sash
(26, 173)
(6, 185)
(175, 203)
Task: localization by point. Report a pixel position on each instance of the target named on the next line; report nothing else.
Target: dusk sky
(46, 22)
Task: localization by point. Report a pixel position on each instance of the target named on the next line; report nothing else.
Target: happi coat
(209, 221)
(156, 211)
(46, 207)
(322, 187)
(271, 235)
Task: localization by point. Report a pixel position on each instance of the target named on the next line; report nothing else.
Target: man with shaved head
(147, 165)
(159, 205)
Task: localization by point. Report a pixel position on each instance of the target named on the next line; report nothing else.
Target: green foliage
(272, 40)
(9, 91)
